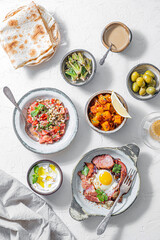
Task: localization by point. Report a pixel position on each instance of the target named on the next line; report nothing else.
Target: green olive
(134, 76)
(151, 90)
(150, 73)
(142, 91)
(135, 87)
(140, 82)
(147, 78)
(152, 83)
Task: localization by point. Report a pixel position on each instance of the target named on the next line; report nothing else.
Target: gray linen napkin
(25, 216)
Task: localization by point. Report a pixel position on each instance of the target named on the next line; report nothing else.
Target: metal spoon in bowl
(101, 62)
(28, 126)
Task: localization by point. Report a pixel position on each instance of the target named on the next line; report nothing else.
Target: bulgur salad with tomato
(48, 118)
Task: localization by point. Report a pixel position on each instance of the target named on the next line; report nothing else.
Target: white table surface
(81, 23)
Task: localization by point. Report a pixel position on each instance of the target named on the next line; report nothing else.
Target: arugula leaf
(34, 178)
(101, 195)
(105, 197)
(36, 169)
(98, 191)
(101, 198)
(116, 168)
(85, 171)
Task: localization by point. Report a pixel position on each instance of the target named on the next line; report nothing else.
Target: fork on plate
(126, 185)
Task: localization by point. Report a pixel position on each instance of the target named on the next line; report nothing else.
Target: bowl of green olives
(143, 81)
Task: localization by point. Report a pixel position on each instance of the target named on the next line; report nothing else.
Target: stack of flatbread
(29, 35)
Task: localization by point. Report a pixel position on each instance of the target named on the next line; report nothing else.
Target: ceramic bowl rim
(93, 70)
(38, 162)
(87, 118)
(36, 90)
(128, 79)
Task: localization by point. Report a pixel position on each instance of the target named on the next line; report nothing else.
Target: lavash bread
(53, 31)
(29, 35)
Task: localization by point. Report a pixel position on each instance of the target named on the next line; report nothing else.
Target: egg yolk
(105, 178)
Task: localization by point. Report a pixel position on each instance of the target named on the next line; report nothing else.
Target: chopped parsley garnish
(116, 168)
(48, 125)
(101, 195)
(85, 171)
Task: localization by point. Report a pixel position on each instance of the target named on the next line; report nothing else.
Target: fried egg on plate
(105, 181)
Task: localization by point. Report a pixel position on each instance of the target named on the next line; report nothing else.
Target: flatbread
(29, 35)
(53, 31)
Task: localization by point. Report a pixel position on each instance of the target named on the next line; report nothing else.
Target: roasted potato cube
(106, 115)
(105, 126)
(100, 109)
(97, 104)
(95, 109)
(107, 106)
(117, 119)
(98, 116)
(95, 122)
(108, 98)
(102, 99)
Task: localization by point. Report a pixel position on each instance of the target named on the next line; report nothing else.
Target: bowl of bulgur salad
(48, 118)
(53, 118)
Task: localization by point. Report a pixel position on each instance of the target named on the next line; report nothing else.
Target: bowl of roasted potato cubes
(143, 81)
(101, 114)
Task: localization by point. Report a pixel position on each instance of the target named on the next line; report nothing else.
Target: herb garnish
(116, 168)
(48, 125)
(85, 171)
(37, 110)
(101, 195)
(35, 175)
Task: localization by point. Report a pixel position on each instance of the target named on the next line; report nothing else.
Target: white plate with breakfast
(97, 178)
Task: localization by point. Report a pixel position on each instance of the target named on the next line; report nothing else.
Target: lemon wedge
(118, 106)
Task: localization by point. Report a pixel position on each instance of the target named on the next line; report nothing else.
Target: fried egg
(105, 181)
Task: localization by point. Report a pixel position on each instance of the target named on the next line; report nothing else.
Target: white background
(81, 23)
